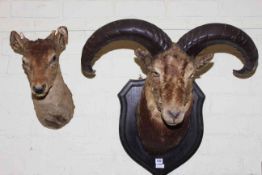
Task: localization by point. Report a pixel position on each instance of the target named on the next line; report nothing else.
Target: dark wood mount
(157, 164)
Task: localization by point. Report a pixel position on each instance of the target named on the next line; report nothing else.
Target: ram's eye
(155, 74)
(192, 76)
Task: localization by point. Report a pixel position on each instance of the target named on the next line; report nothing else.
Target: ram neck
(150, 104)
(155, 135)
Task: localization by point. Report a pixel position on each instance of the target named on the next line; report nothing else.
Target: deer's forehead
(39, 51)
(40, 47)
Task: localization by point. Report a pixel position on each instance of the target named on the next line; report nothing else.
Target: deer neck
(57, 90)
(58, 82)
(56, 109)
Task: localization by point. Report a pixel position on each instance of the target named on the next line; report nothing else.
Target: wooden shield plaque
(157, 164)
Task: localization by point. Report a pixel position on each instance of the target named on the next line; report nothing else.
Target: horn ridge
(194, 41)
(150, 36)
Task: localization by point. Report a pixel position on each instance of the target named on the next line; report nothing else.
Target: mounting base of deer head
(52, 99)
(189, 140)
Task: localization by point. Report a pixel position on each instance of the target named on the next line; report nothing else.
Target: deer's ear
(61, 37)
(17, 42)
(52, 35)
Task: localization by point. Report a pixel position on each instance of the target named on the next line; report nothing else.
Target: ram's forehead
(175, 51)
(171, 59)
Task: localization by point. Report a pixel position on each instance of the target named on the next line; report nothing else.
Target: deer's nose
(39, 88)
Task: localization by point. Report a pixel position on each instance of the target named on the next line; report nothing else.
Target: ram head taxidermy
(52, 99)
(171, 68)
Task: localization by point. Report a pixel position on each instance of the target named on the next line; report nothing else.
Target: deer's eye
(24, 62)
(26, 66)
(54, 58)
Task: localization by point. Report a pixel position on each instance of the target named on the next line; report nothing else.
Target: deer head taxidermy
(52, 99)
(171, 68)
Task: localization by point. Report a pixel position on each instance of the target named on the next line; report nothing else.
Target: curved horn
(203, 36)
(150, 36)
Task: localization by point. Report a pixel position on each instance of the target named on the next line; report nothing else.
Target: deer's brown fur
(52, 99)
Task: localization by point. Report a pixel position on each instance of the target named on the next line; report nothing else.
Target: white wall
(89, 144)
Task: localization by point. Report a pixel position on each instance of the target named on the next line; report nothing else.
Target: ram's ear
(18, 42)
(202, 64)
(201, 61)
(143, 59)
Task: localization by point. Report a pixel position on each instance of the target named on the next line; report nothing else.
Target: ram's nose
(172, 117)
(173, 114)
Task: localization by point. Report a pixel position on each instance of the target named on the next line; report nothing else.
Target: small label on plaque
(159, 163)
